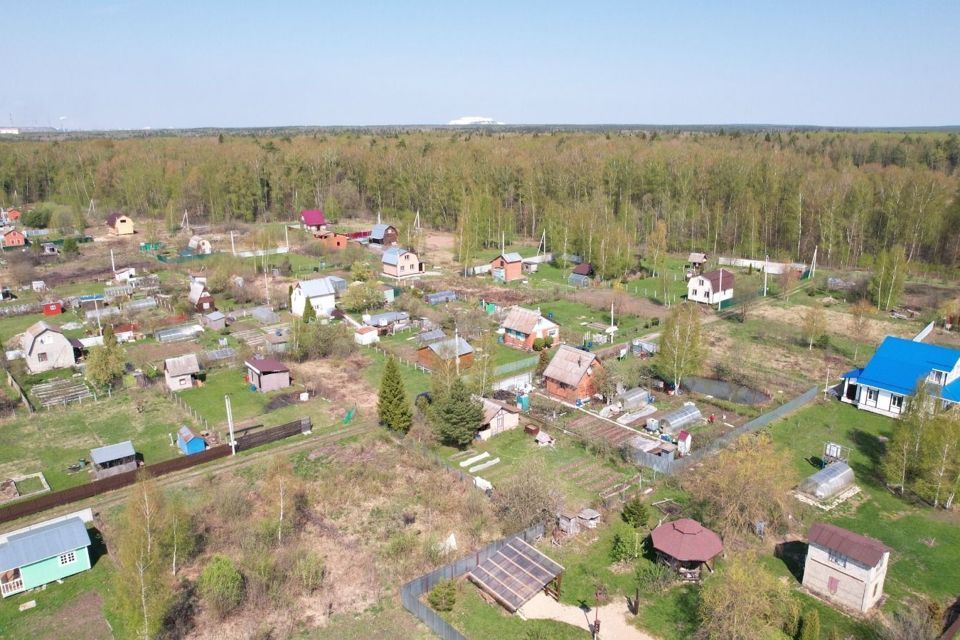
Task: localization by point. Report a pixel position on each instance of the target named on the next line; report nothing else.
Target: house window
(41, 357)
(833, 584)
(837, 558)
(68, 558)
(876, 587)
(938, 377)
(872, 396)
(695, 292)
(183, 382)
(896, 402)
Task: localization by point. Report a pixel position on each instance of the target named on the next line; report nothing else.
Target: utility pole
(113, 263)
(286, 235)
(233, 246)
(765, 259)
(813, 263)
(233, 443)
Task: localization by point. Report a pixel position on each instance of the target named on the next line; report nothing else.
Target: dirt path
(614, 622)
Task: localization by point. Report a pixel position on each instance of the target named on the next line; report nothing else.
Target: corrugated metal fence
(666, 466)
(411, 592)
(91, 489)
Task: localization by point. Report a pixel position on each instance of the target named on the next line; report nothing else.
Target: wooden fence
(121, 480)
(16, 386)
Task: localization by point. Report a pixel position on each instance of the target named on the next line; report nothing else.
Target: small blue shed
(189, 442)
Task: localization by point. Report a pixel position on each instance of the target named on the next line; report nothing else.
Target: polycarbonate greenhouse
(674, 421)
(829, 481)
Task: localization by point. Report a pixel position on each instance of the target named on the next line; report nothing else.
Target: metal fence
(519, 365)
(667, 466)
(411, 592)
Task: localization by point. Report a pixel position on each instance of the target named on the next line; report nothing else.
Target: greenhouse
(829, 481)
(674, 421)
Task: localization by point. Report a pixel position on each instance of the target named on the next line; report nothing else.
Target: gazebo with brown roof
(686, 545)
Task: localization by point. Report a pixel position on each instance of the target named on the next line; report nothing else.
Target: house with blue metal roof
(320, 293)
(51, 551)
(898, 367)
(385, 234)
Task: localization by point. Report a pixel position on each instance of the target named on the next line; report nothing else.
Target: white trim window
(872, 396)
(68, 558)
(896, 403)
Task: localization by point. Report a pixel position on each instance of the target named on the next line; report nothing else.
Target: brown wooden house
(571, 373)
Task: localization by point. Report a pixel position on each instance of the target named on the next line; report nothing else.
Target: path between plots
(614, 624)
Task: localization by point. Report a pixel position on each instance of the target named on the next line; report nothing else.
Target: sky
(131, 64)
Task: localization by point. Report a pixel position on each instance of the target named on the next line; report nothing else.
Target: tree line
(596, 194)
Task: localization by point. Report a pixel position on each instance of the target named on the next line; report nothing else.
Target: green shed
(43, 554)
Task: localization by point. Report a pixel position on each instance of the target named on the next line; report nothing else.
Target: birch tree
(814, 324)
(142, 587)
(681, 349)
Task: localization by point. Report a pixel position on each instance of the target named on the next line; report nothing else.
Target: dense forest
(595, 193)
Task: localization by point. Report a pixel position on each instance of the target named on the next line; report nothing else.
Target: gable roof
(216, 315)
(866, 551)
(569, 365)
(182, 365)
(513, 256)
(316, 287)
(313, 217)
(445, 348)
(43, 542)
(393, 254)
(111, 452)
(899, 364)
(113, 217)
(35, 331)
(197, 290)
(714, 277)
(385, 318)
(491, 409)
(697, 258)
(186, 433)
(267, 365)
(380, 230)
(524, 320)
(583, 269)
(426, 337)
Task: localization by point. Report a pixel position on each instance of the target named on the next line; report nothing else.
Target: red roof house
(14, 238)
(313, 219)
(13, 215)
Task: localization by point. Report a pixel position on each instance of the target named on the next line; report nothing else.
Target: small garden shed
(267, 374)
(113, 459)
(188, 442)
(43, 554)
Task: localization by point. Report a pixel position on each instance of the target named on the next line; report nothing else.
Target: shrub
(548, 341)
(619, 549)
(652, 577)
(221, 585)
(538, 344)
(443, 596)
(810, 629)
(309, 571)
(635, 513)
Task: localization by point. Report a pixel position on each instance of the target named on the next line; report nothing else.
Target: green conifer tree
(458, 416)
(393, 408)
(309, 313)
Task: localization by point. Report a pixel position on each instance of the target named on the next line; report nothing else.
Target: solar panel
(515, 574)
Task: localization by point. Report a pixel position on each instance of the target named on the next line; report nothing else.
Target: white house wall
(858, 587)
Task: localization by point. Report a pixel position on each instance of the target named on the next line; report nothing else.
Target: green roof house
(49, 552)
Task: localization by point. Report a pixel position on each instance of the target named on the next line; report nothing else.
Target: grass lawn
(476, 618)
(571, 316)
(671, 615)
(12, 325)
(50, 440)
(517, 451)
(505, 355)
(925, 543)
(29, 485)
(415, 380)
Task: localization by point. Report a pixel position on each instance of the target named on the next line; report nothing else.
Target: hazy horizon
(132, 65)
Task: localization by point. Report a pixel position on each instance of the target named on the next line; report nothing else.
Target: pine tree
(458, 417)
(393, 408)
(309, 313)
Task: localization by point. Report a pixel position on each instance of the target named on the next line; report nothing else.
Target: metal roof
(899, 364)
(316, 287)
(216, 315)
(387, 317)
(515, 573)
(513, 256)
(862, 549)
(392, 255)
(428, 337)
(112, 452)
(266, 365)
(379, 231)
(43, 542)
(525, 320)
(313, 217)
(445, 348)
(197, 291)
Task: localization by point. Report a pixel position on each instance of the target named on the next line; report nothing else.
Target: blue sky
(133, 64)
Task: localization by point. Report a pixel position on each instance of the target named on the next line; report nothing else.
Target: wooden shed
(267, 374)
